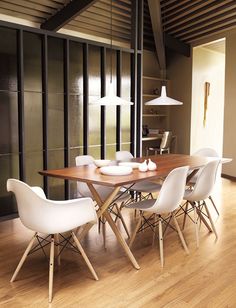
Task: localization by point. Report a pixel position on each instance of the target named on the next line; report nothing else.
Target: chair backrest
(172, 191)
(84, 160)
(166, 140)
(82, 188)
(47, 216)
(124, 156)
(206, 152)
(205, 182)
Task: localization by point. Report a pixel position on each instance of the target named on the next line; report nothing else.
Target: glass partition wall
(46, 85)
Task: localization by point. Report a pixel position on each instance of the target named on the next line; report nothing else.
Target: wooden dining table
(92, 176)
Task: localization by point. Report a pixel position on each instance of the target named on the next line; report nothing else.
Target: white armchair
(41, 215)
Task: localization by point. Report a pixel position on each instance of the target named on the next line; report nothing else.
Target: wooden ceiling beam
(211, 23)
(212, 32)
(67, 13)
(226, 22)
(174, 24)
(155, 14)
(215, 15)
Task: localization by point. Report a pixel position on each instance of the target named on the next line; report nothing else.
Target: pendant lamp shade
(163, 99)
(111, 99)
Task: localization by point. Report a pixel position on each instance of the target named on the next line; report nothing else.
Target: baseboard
(8, 217)
(229, 177)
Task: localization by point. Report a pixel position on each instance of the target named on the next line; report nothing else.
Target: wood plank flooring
(205, 278)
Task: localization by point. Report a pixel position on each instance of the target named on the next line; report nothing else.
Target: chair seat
(146, 205)
(146, 187)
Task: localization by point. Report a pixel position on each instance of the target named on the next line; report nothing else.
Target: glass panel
(55, 65)
(56, 186)
(8, 60)
(33, 164)
(95, 152)
(32, 62)
(8, 122)
(94, 94)
(125, 147)
(74, 153)
(9, 169)
(76, 68)
(111, 110)
(125, 93)
(55, 121)
(110, 152)
(76, 120)
(33, 122)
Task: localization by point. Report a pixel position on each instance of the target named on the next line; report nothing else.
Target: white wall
(208, 66)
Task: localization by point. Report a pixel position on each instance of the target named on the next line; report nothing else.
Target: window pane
(76, 68)
(33, 122)
(76, 120)
(8, 122)
(32, 62)
(55, 121)
(56, 186)
(55, 65)
(9, 169)
(33, 164)
(8, 60)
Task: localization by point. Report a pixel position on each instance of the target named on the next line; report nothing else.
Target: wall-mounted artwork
(206, 94)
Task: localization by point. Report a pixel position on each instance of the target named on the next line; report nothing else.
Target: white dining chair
(52, 218)
(103, 191)
(164, 145)
(200, 192)
(169, 198)
(142, 187)
(205, 152)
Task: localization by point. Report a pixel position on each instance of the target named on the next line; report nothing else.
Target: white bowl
(102, 162)
(116, 170)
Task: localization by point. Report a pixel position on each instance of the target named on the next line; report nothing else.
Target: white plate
(116, 170)
(131, 164)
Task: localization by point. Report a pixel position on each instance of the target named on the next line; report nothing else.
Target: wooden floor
(205, 278)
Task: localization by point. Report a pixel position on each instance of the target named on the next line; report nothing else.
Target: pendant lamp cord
(111, 46)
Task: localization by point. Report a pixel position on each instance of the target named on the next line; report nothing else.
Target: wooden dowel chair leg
(51, 268)
(22, 260)
(196, 225)
(161, 243)
(181, 235)
(122, 220)
(135, 232)
(155, 227)
(185, 215)
(57, 237)
(86, 259)
(211, 220)
(213, 203)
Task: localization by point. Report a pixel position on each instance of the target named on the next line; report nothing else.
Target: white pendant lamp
(163, 99)
(111, 99)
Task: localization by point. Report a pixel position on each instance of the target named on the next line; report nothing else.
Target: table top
(165, 163)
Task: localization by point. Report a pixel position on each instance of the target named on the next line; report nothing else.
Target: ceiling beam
(67, 13)
(155, 14)
(176, 45)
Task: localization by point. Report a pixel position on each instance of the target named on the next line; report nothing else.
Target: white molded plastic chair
(205, 152)
(103, 191)
(200, 192)
(164, 146)
(142, 187)
(41, 215)
(169, 199)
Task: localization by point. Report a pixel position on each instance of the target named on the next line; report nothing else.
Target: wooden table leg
(121, 239)
(103, 211)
